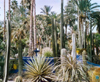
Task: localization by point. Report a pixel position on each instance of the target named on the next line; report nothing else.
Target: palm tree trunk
(20, 61)
(31, 31)
(85, 34)
(53, 40)
(80, 37)
(66, 29)
(55, 37)
(82, 34)
(78, 25)
(35, 39)
(90, 41)
(93, 44)
(8, 48)
(4, 21)
(9, 11)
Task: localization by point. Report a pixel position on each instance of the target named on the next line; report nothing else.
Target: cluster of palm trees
(49, 27)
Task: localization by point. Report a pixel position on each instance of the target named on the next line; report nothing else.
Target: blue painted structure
(79, 57)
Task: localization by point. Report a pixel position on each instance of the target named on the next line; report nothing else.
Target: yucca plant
(71, 71)
(39, 69)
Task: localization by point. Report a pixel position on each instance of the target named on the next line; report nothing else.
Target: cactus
(18, 79)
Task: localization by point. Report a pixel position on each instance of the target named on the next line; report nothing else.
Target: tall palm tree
(35, 37)
(85, 7)
(8, 48)
(31, 30)
(69, 15)
(4, 20)
(46, 10)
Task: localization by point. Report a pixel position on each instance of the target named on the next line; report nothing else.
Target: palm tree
(35, 37)
(46, 10)
(8, 48)
(31, 30)
(85, 7)
(96, 16)
(69, 15)
(14, 5)
(4, 20)
(26, 4)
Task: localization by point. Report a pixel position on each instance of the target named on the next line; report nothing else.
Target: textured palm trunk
(20, 61)
(93, 44)
(82, 33)
(90, 41)
(80, 37)
(35, 39)
(78, 25)
(55, 37)
(4, 22)
(85, 34)
(79, 34)
(53, 40)
(31, 31)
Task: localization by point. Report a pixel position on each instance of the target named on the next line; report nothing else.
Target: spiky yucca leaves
(71, 71)
(39, 69)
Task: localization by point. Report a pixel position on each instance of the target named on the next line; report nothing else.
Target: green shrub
(47, 52)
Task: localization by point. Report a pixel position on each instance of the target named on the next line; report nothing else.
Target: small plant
(39, 69)
(70, 71)
(47, 52)
(18, 79)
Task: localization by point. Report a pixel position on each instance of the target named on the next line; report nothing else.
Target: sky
(56, 4)
(39, 4)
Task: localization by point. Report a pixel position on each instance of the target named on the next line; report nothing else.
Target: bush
(47, 52)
